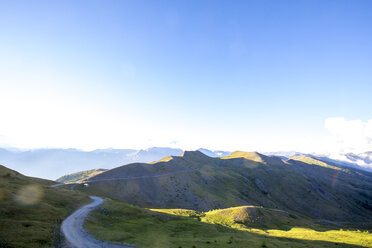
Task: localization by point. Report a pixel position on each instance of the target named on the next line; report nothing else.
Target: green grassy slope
(196, 181)
(239, 227)
(79, 176)
(313, 161)
(31, 211)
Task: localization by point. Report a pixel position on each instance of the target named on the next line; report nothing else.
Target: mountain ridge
(300, 185)
(55, 163)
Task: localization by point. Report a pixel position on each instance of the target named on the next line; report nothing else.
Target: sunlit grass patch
(336, 236)
(124, 223)
(178, 212)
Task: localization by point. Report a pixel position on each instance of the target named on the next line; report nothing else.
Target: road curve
(76, 236)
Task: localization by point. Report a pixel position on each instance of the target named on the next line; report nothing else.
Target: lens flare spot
(29, 195)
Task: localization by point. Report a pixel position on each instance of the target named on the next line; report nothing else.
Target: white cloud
(348, 135)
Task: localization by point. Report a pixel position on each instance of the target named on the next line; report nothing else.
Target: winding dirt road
(76, 236)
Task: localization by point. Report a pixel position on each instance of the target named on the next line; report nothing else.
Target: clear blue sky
(250, 75)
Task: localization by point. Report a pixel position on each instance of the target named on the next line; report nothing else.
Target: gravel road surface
(76, 236)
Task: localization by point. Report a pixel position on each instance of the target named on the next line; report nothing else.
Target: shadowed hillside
(31, 211)
(300, 185)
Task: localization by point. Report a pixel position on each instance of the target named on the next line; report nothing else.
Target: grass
(31, 211)
(157, 228)
(360, 238)
(253, 216)
(313, 161)
(80, 176)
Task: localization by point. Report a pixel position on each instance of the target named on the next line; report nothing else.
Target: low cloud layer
(348, 135)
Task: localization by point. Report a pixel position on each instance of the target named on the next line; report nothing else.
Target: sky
(228, 75)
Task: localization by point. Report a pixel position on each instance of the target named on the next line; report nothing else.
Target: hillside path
(142, 177)
(76, 236)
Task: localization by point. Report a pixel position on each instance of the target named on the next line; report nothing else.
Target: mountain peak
(193, 155)
(255, 156)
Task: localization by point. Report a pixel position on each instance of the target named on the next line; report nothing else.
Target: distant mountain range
(360, 161)
(54, 163)
(213, 154)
